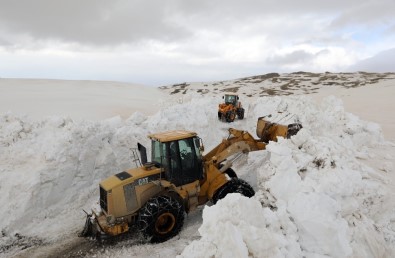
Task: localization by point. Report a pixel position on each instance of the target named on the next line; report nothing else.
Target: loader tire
(230, 116)
(293, 129)
(235, 185)
(240, 113)
(231, 173)
(161, 218)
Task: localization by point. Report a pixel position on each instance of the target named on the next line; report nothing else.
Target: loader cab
(179, 153)
(231, 99)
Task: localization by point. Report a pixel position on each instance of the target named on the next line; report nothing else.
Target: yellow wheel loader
(154, 198)
(230, 108)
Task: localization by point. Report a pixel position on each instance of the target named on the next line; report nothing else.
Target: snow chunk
(235, 227)
(321, 228)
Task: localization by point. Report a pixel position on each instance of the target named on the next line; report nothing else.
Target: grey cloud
(291, 58)
(101, 22)
(367, 14)
(4, 42)
(208, 38)
(89, 21)
(382, 62)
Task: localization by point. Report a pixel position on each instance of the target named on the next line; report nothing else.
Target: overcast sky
(159, 42)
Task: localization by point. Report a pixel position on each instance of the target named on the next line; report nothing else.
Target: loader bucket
(268, 131)
(260, 127)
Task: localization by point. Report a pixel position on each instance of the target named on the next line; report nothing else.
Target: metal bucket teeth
(87, 231)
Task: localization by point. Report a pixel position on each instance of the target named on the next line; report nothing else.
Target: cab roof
(231, 93)
(172, 135)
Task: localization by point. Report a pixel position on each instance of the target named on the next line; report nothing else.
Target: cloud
(101, 22)
(291, 58)
(89, 22)
(381, 62)
(367, 14)
(188, 39)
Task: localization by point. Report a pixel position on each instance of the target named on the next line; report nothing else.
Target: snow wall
(315, 195)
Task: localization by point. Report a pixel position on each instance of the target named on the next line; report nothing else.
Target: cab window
(159, 153)
(230, 99)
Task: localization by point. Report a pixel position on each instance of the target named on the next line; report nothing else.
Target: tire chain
(156, 205)
(235, 185)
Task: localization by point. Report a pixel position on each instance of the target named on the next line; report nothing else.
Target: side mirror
(223, 97)
(199, 144)
(201, 147)
(237, 97)
(143, 153)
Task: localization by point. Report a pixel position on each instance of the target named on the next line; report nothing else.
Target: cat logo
(142, 181)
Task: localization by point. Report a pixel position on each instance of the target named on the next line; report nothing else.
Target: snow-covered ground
(326, 192)
(91, 100)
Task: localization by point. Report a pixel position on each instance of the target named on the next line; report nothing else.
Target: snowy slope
(316, 195)
(298, 83)
(92, 100)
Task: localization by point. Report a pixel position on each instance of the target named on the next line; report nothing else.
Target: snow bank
(317, 197)
(243, 231)
(314, 195)
(50, 169)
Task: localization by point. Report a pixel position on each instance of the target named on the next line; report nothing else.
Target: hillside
(298, 83)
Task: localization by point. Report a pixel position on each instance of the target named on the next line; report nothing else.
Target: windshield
(230, 99)
(181, 160)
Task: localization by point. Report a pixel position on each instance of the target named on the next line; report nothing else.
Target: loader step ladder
(135, 157)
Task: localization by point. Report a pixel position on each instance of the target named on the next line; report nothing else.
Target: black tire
(240, 113)
(230, 172)
(230, 116)
(161, 218)
(219, 116)
(235, 185)
(293, 129)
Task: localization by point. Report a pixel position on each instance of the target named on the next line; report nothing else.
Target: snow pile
(317, 197)
(314, 195)
(50, 169)
(242, 229)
